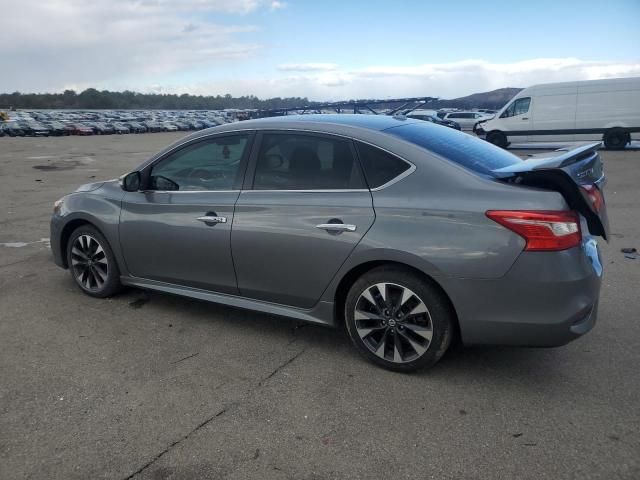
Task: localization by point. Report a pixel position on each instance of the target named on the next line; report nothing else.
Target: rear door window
(293, 161)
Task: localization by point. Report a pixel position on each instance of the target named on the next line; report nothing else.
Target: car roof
(329, 123)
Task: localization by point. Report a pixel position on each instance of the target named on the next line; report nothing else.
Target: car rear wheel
(398, 320)
(92, 263)
(498, 138)
(616, 139)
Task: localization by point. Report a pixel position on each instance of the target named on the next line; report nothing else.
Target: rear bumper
(546, 299)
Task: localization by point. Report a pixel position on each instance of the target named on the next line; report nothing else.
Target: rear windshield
(470, 152)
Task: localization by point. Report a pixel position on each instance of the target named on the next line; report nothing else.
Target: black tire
(498, 138)
(87, 265)
(393, 325)
(616, 139)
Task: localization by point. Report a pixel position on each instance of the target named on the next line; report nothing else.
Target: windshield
(465, 150)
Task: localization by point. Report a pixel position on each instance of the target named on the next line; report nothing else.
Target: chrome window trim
(403, 175)
(412, 168)
(339, 190)
(190, 191)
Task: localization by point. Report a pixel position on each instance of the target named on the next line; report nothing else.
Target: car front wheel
(92, 263)
(616, 139)
(498, 138)
(398, 320)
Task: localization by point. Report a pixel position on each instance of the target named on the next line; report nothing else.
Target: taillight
(543, 230)
(595, 196)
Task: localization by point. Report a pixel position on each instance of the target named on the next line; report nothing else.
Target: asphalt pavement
(152, 386)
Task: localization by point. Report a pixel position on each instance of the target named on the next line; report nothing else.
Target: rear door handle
(212, 219)
(525, 118)
(337, 227)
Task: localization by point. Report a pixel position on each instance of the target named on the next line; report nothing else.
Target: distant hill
(495, 99)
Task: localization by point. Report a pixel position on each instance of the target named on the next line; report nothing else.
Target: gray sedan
(408, 233)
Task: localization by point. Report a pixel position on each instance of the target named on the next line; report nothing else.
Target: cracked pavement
(151, 386)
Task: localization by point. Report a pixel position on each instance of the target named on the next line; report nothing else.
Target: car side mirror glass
(158, 182)
(131, 182)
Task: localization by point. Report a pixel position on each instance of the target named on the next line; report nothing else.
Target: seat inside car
(305, 167)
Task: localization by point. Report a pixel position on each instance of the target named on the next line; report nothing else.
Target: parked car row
(62, 122)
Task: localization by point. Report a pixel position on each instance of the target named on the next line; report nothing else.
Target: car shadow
(525, 366)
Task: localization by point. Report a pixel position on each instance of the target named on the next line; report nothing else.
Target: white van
(606, 110)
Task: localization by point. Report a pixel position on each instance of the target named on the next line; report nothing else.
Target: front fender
(103, 212)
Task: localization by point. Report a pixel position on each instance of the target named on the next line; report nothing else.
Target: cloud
(277, 5)
(178, 46)
(444, 80)
(47, 45)
(306, 67)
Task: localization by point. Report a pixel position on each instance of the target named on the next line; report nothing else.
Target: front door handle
(212, 219)
(525, 118)
(337, 227)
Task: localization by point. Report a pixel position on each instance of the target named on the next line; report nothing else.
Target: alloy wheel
(393, 322)
(89, 263)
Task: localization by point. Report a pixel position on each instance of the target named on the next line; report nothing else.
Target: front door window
(212, 164)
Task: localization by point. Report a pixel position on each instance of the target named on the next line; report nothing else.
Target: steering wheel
(204, 176)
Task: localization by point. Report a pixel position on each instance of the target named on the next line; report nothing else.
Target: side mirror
(131, 182)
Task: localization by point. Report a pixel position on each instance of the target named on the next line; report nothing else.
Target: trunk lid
(575, 174)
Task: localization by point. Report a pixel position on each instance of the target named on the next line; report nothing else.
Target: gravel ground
(151, 386)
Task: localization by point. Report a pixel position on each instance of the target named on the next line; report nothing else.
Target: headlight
(57, 205)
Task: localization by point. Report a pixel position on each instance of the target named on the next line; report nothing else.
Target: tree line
(105, 99)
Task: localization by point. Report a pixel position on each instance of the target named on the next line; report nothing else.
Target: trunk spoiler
(557, 161)
(566, 173)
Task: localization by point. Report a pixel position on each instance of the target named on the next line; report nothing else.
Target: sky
(323, 50)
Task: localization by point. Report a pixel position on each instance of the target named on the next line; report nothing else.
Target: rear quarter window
(470, 152)
(379, 166)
